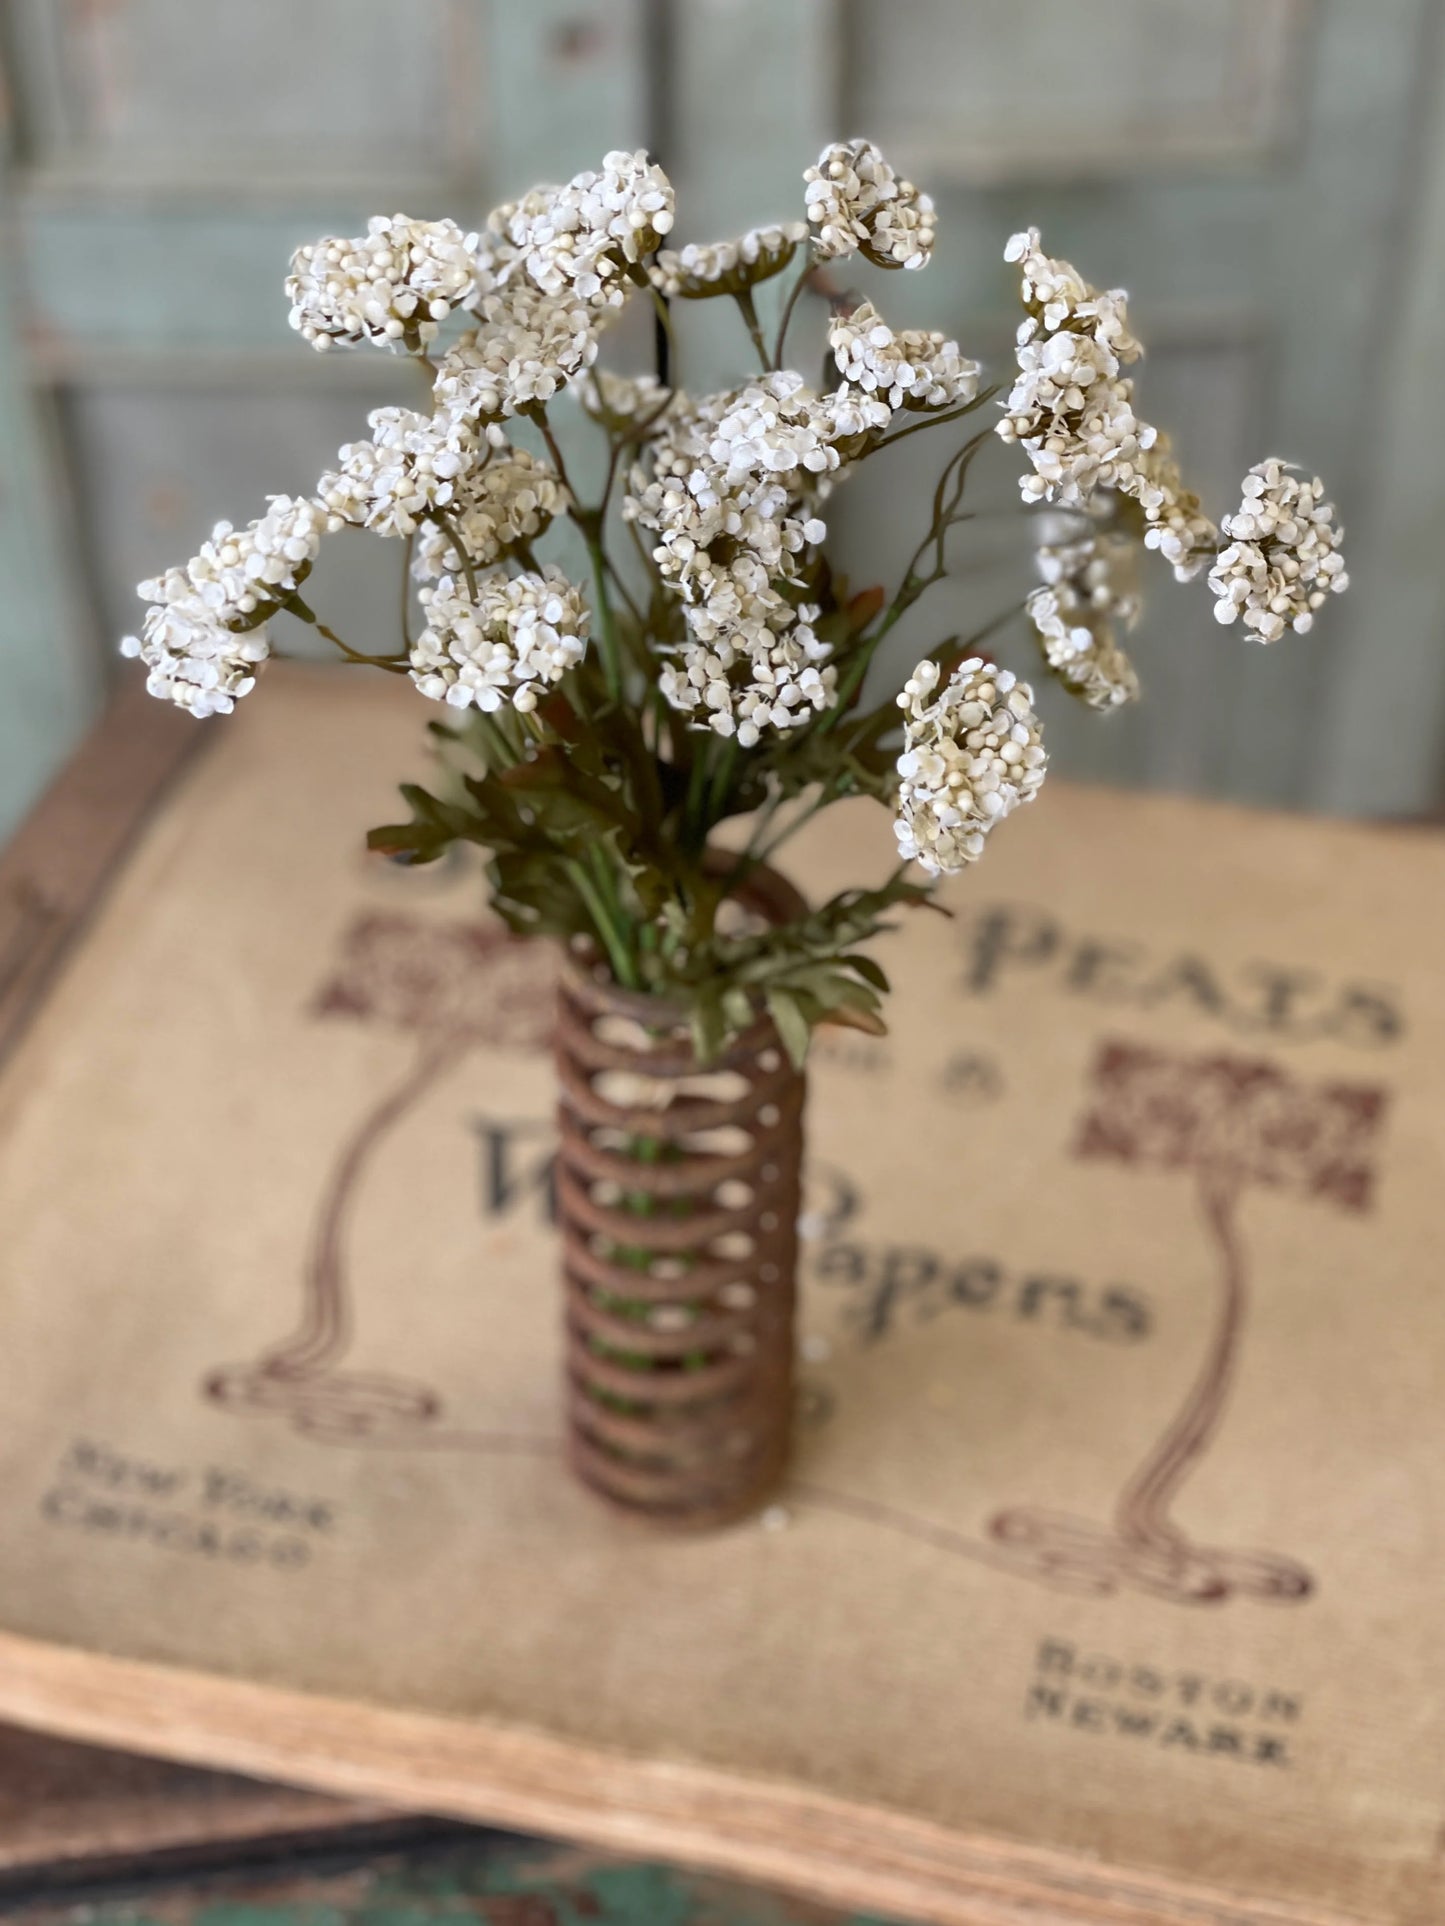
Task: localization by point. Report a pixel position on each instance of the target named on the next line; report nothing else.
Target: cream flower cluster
(970, 755)
(853, 419)
(727, 267)
(411, 467)
(194, 660)
(528, 348)
(1089, 592)
(1058, 298)
(731, 472)
(772, 428)
(392, 286)
(580, 239)
(241, 572)
(512, 496)
(912, 368)
(1174, 522)
(1283, 557)
(731, 489)
(623, 401)
(500, 260)
(523, 632)
(856, 202)
(785, 673)
(1071, 409)
(203, 638)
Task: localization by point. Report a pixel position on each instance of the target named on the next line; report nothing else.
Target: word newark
(1175, 1710)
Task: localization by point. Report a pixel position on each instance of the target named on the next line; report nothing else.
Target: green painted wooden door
(1268, 176)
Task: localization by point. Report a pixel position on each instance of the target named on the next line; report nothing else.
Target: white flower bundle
(716, 664)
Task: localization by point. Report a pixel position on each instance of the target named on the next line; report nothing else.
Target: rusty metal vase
(677, 1194)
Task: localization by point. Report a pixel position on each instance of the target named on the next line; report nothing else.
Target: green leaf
(784, 1009)
(411, 841)
(534, 895)
(709, 1030)
(738, 1009)
(870, 971)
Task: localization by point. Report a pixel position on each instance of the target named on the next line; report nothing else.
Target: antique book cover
(1108, 1582)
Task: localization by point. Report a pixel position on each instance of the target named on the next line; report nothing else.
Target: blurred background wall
(1266, 176)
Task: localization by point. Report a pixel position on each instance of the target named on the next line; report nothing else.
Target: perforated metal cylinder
(678, 1194)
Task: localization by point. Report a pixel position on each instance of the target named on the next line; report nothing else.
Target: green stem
(761, 823)
(611, 659)
(496, 750)
(644, 555)
(909, 590)
(538, 414)
(948, 655)
(617, 953)
(397, 664)
(788, 307)
(664, 316)
(406, 592)
(635, 433)
(791, 827)
(748, 309)
(696, 785)
(937, 421)
(589, 522)
(624, 591)
(623, 922)
(913, 584)
(722, 780)
(448, 523)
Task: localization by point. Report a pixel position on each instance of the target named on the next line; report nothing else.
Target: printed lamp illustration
(450, 986)
(1233, 1124)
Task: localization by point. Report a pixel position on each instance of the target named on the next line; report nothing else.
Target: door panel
(992, 92)
(1250, 172)
(150, 92)
(164, 161)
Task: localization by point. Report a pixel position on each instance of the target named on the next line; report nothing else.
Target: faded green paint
(501, 1882)
(1287, 259)
(48, 678)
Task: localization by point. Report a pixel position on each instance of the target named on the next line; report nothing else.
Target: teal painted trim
(1380, 748)
(163, 259)
(1339, 241)
(755, 99)
(567, 82)
(179, 278)
(50, 680)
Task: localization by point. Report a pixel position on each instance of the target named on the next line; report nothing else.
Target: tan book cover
(1109, 1582)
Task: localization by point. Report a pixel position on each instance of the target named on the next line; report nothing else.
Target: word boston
(1175, 1710)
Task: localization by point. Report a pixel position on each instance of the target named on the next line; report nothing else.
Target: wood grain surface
(485, 1771)
(75, 1811)
(54, 869)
